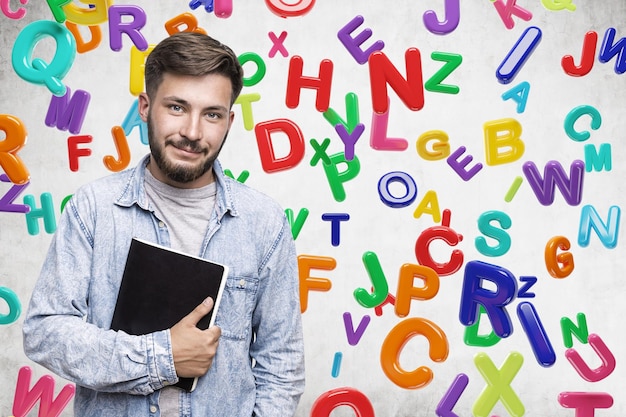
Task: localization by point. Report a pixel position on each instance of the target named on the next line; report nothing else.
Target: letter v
(296, 225)
(354, 335)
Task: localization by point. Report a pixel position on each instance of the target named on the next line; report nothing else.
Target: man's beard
(179, 173)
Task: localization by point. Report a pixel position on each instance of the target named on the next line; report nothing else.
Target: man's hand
(194, 349)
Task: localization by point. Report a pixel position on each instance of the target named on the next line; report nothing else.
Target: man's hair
(192, 53)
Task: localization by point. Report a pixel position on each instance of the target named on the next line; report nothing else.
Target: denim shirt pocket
(234, 316)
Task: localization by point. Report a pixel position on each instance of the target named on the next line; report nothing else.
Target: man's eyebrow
(184, 102)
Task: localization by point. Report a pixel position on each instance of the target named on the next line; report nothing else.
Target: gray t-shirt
(186, 213)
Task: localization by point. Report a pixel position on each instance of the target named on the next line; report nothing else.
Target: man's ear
(143, 106)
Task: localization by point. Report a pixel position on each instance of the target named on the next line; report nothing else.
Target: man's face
(188, 120)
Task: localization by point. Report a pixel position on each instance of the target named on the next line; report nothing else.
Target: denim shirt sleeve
(60, 333)
(278, 349)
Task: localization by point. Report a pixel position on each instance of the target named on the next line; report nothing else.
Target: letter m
(68, 112)
(43, 390)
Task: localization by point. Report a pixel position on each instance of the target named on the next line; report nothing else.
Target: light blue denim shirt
(259, 366)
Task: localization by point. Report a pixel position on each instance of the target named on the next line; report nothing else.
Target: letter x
(498, 385)
(278, 44)
(320, 152)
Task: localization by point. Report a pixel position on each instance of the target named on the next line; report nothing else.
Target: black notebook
(160, 286)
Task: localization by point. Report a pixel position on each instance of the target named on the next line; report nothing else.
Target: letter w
(554, 174)
(43, 389)
(64, 112)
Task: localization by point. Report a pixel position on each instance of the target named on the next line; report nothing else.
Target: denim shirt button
(161, 225)
(153, 409)
(242, 283)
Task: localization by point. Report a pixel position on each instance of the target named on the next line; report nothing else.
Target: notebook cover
(160, 286)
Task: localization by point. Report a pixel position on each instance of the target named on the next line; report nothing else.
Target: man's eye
(176, 107)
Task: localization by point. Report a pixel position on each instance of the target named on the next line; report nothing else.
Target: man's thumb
(201, 310)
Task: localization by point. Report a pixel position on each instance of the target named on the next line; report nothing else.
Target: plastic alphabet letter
(337, 397)
(68, 111)
(337, 179)
(46, 212)
(186, 20)
(118, 25)
(43, 390)
(352, 113)
(585, 403)
(132, 120)
(474, 294)
(573, 117)
(17, 14)
(524, 291)
(428, 205)
(598, 160)
(383, 72)
(123, 150)
(607, 232)
(499, 234)
(407, 291)
(245, 101)
(378, 135)
(609, 50)
(74, 152)
(137, 66)
(309, 283)
(459, 166)
(587, 59)
(397, 177)
(452, 62)
(561, 265)
(36, 70)
(335, 221)
(13, 302)
(320, 152)
(278, 44)
(87, 16)
(507, 11)
(6, 202)
(354, 335)
(290, 9)
(503, 134)
(472, 338)
(269, 161)
(537, 336)
(395, 341)
(14, 140)
(353, 44)
(498, 385)
(519, 54)
(449, 23)
(379, 283)
(580, 330)
(389, 300)
(440, 149)
(554, 174)
(261, 68)
(519, 93)
(223, 8)
(208, 5)
(296, 225)
(81, 45)
(557, 5)
(605, 354)
(296, 81)
(449, 236)
(452, 396)
(349, 139)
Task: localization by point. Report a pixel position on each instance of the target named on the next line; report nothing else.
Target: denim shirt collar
(134, 191)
